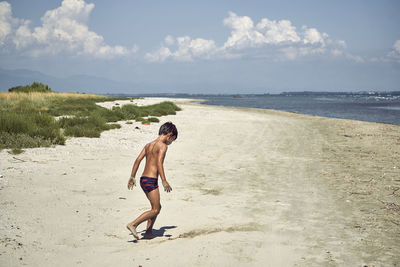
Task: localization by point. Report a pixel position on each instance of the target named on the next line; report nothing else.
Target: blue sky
(208, 46)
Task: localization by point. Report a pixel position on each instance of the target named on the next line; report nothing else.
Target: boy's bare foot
(148, 235)
(133, 230)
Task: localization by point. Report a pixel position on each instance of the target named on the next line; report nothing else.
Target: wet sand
(251, 187)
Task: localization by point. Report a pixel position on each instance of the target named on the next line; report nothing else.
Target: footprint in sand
(113, 236)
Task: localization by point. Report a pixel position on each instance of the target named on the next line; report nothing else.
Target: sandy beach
(251, 187)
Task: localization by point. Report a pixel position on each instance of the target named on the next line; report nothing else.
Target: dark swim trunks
(148, 184)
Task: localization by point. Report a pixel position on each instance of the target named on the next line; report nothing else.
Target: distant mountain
(12, 78)
(75, 83)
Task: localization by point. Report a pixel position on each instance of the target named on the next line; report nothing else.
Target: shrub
(34, 87)
(31, 124)
(90, 126)
(72, 106)
(22, 140)
(16, 151)
(152, 119)
(82, 130)
(16, 123)
(131, 112)
(164, 108)
(111, 115)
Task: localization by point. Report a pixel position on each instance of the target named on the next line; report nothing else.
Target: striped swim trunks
(148, 184)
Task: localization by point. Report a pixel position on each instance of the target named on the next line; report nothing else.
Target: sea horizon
(363, 92)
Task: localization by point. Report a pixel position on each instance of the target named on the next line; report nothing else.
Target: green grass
(153, 119)
(21, 140)
(28, 119)
(90, 126)
(18, 130)
(73, 106)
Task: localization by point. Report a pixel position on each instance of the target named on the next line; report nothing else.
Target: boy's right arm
(160, 168)
(132, 180)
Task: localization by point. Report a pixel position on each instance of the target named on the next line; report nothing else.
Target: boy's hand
(167, 187)
(131, 183)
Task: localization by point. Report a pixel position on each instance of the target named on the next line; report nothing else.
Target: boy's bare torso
(152, 151)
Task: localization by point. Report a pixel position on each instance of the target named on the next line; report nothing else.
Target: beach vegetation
(153, 119)
(16, 151)
(28, 129)
(39, 119)
(90, 126)
(34, 87)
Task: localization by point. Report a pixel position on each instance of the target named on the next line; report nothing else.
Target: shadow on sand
(156, 233)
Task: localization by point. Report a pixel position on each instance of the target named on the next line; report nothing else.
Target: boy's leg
(154, 198)
(149, 227)
(150, 223)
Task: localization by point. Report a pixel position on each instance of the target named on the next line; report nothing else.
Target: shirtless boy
(155, 153)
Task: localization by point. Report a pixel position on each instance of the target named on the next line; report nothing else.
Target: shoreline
(250, 187)
(395, 122)
(268, 111)
(198, 102)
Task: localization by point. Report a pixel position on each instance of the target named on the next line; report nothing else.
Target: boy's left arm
(132, 180)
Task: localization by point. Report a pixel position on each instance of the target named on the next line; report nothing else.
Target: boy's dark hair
(168, 127)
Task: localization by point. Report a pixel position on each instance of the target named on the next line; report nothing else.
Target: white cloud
(242, 34)
(8, 24)
(169, 40)
(5, 20)
(267, 39)
(160, 55)
(188, 49)
(396, 46)
(336, 52)
(395, 53)
(194, 48)
(277, 32)
(341, 43)
(355, 58)
(313, 36)
(63, 29)
(245, 35)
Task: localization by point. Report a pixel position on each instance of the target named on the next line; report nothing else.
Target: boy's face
(170, 138)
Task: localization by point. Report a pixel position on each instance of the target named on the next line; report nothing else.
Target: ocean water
(373, 107)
